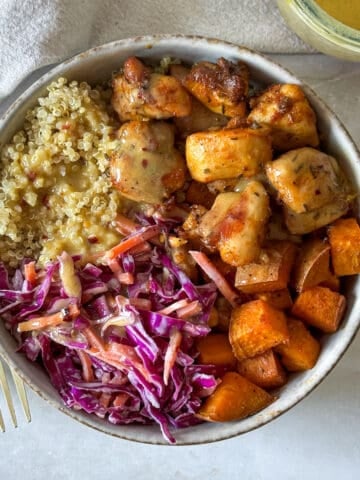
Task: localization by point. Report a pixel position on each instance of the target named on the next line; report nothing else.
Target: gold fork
(20, 388)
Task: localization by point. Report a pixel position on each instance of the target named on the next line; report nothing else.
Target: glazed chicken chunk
(146, 167)
(200, 117)
(228, 153)
(222, 87)
(236, 224)
(138, 93)
(306, 179)
(285, 109)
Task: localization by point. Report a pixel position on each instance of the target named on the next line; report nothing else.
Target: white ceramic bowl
(96, 65)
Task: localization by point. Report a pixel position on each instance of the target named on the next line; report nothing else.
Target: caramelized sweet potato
(344, 237)
(301, 351)
(321, 308)
(332, 282)
(215, 349)
(224, 310)
(235, 398)
(271, 272)
(280, 299)
(264, 370)
(256, 327)
(312, 266)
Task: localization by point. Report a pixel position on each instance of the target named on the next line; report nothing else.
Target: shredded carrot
(209, 268)
(189, 310)
(142, 303)
(120, 399)
(125, 277)
(139, 249)
(171, 353)
(114, 265)
(138, 238)
(105, 399)
(93, 339)
(38, 323)
(105, 358)
(86, 366)
(124, 225)
(30, 273)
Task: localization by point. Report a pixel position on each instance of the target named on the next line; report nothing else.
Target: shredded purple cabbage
(136, 392)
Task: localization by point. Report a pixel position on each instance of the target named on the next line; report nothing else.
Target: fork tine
(7, 394)
(2, 424)
(20, 388)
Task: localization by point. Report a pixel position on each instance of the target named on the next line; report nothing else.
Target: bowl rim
(149, 42)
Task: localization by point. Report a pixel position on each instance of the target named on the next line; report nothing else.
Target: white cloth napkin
(34, 33)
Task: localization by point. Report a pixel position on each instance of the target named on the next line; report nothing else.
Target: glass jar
(320, 30)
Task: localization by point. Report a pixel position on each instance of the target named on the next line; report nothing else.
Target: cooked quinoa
(55, 193)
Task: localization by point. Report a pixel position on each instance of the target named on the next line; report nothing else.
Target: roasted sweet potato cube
(280, 299)
(271, 272)
(312, 266)
(235, 398)
(344, 237)
(264, 370)
(256, 327)
(224, 310)
(215, 349)
(332, 282)
(301, 351)
(321, 308)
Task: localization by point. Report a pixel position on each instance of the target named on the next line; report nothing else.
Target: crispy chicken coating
(138, 94)
(285, 109)
(222, 87)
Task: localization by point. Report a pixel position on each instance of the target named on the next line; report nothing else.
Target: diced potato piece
(312, 266)
(235, 398)
(305, 179)
(215, 349)
(256, 327)
(236, 224)
(271, 272)
(264, 370)
(199, 194)
(222, 154)
(344, 237)
(321, 308)
(286, 110)
(221, 87)
(301, 351)
(280, 299)
(301, 223)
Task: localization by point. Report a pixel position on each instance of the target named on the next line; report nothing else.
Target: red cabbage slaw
(129, 355)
